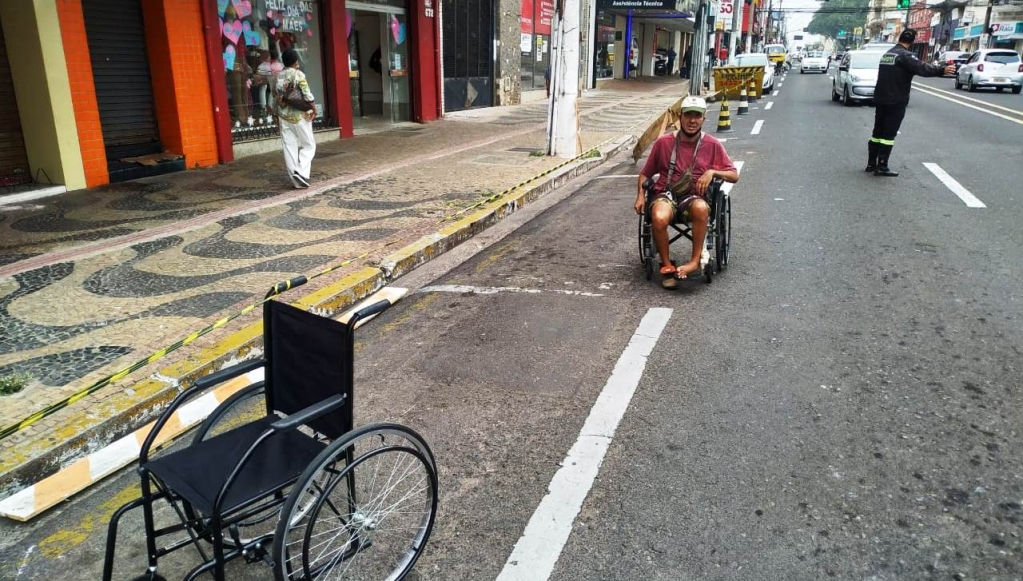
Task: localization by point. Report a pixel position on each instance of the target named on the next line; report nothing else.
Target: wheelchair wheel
(724, 233)
(363, 509)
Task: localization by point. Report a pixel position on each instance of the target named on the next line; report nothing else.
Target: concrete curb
(90, 430)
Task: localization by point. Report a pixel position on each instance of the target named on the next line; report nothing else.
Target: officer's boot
(871, 155)
(883, 152)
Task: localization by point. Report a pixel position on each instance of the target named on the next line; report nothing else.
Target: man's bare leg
(661, 216)
(700, 213)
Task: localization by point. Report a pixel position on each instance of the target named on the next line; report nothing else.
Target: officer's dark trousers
(887, 119)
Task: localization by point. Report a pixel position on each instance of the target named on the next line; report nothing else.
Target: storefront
(378, 62)
(254, 34)
(1007, 35)
(604, 39)
(967, 38)
(629, 34)
(535, 42)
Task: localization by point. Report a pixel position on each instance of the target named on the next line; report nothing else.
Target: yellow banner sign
(731, 79)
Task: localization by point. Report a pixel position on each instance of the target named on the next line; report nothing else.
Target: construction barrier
(732, 79)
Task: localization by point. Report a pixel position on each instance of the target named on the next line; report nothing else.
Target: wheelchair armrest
(309, 414)
(228, 373)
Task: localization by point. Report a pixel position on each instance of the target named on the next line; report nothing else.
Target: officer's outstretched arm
(918, 68)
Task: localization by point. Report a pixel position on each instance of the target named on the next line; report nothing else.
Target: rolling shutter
(120, 68)
(13, 160)
(468, 28)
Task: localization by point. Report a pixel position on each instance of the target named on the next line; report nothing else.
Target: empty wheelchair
(278, 474)
(714, 257)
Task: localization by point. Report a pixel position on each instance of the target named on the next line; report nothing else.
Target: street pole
(563, 123)
(986, 36)
(735, 39)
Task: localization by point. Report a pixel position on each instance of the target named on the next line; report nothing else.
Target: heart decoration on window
(251, 36)
(229, 55)
(233, 31)
(242, 8)
(222, 7)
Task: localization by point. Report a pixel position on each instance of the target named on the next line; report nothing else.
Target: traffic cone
(743, 103)
(752, 90)
(724, 121)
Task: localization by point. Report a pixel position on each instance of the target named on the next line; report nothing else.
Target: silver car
(992, 67)
(856, 77)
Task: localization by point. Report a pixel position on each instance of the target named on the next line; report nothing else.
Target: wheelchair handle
(287, 285)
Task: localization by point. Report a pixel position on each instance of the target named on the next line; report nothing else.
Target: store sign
(428, 8)
(725, 9)
(959, 33)
(967, 18)
(629, 4)
(536, 16)
(1006, 28)
(976, 30)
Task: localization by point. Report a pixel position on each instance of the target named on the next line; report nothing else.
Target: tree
(837, 15)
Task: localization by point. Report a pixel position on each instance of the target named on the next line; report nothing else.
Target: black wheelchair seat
(198, 473)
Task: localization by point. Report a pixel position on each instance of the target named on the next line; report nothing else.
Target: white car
(814, 62)
(993, 67)
(753, 59)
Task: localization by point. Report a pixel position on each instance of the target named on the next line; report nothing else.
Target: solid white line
(771, 104)
(493, 290)
(757, 126)
(957, 188)
(616, 177)
(965, 98)
(537, 551)
(958, 102)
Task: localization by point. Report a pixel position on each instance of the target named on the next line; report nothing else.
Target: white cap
(691, 103)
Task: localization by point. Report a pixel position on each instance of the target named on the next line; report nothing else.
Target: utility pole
(986, 35)
(563, 120)
(735, 39)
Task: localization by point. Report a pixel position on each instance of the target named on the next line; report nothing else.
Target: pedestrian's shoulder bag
(684, 184)
(292, 97)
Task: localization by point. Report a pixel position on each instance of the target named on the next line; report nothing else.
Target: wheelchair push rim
(363, 509)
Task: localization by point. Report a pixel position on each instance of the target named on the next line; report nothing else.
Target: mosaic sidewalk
(70, 322)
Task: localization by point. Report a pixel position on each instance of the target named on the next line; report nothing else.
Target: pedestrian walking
(891, 95)
(296, 109)
(687, 62)
(671, 61)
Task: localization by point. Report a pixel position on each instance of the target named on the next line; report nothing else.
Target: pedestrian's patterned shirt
(285, 79)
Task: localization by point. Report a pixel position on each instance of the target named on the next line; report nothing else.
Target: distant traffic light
(902, 5)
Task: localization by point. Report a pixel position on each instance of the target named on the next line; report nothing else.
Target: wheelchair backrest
(308, 359)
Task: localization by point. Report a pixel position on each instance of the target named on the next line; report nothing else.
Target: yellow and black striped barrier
(731, 79)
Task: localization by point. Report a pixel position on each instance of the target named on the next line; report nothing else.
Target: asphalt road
(845, 401)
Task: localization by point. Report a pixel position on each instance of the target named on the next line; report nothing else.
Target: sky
(798, 21)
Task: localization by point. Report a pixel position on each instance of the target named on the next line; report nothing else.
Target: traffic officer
(891, 95)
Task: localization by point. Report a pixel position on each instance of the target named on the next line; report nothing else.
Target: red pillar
(218, 81)
(425, 57)
(335, 50)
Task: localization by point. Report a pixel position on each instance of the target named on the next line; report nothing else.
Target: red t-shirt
(712, 155)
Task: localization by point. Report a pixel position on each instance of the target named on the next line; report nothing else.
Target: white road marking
(779, 199)
(965, 98)
(493, 290)
(775, 94)
(957, 188)
(982, 110)
(769, 105)
(540, 545)
(757, 126)
(618, 177)
(726, 187)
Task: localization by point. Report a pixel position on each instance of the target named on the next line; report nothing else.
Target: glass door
(396, 31)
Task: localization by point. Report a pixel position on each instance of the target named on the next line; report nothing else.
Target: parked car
(753, 59)
(856, 77)
(993, 67)
(954, 57)
(814, 62)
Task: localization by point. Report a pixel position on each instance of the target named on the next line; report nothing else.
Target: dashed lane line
(775, 94)
(950, 182)
(757, 126)
(537, 551)
(769, 105)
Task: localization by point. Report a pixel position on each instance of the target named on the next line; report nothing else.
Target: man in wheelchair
(686, 162)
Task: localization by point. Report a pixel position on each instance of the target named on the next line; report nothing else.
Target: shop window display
(254, 33)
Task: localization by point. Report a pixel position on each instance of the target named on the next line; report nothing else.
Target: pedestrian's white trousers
(299, 146)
